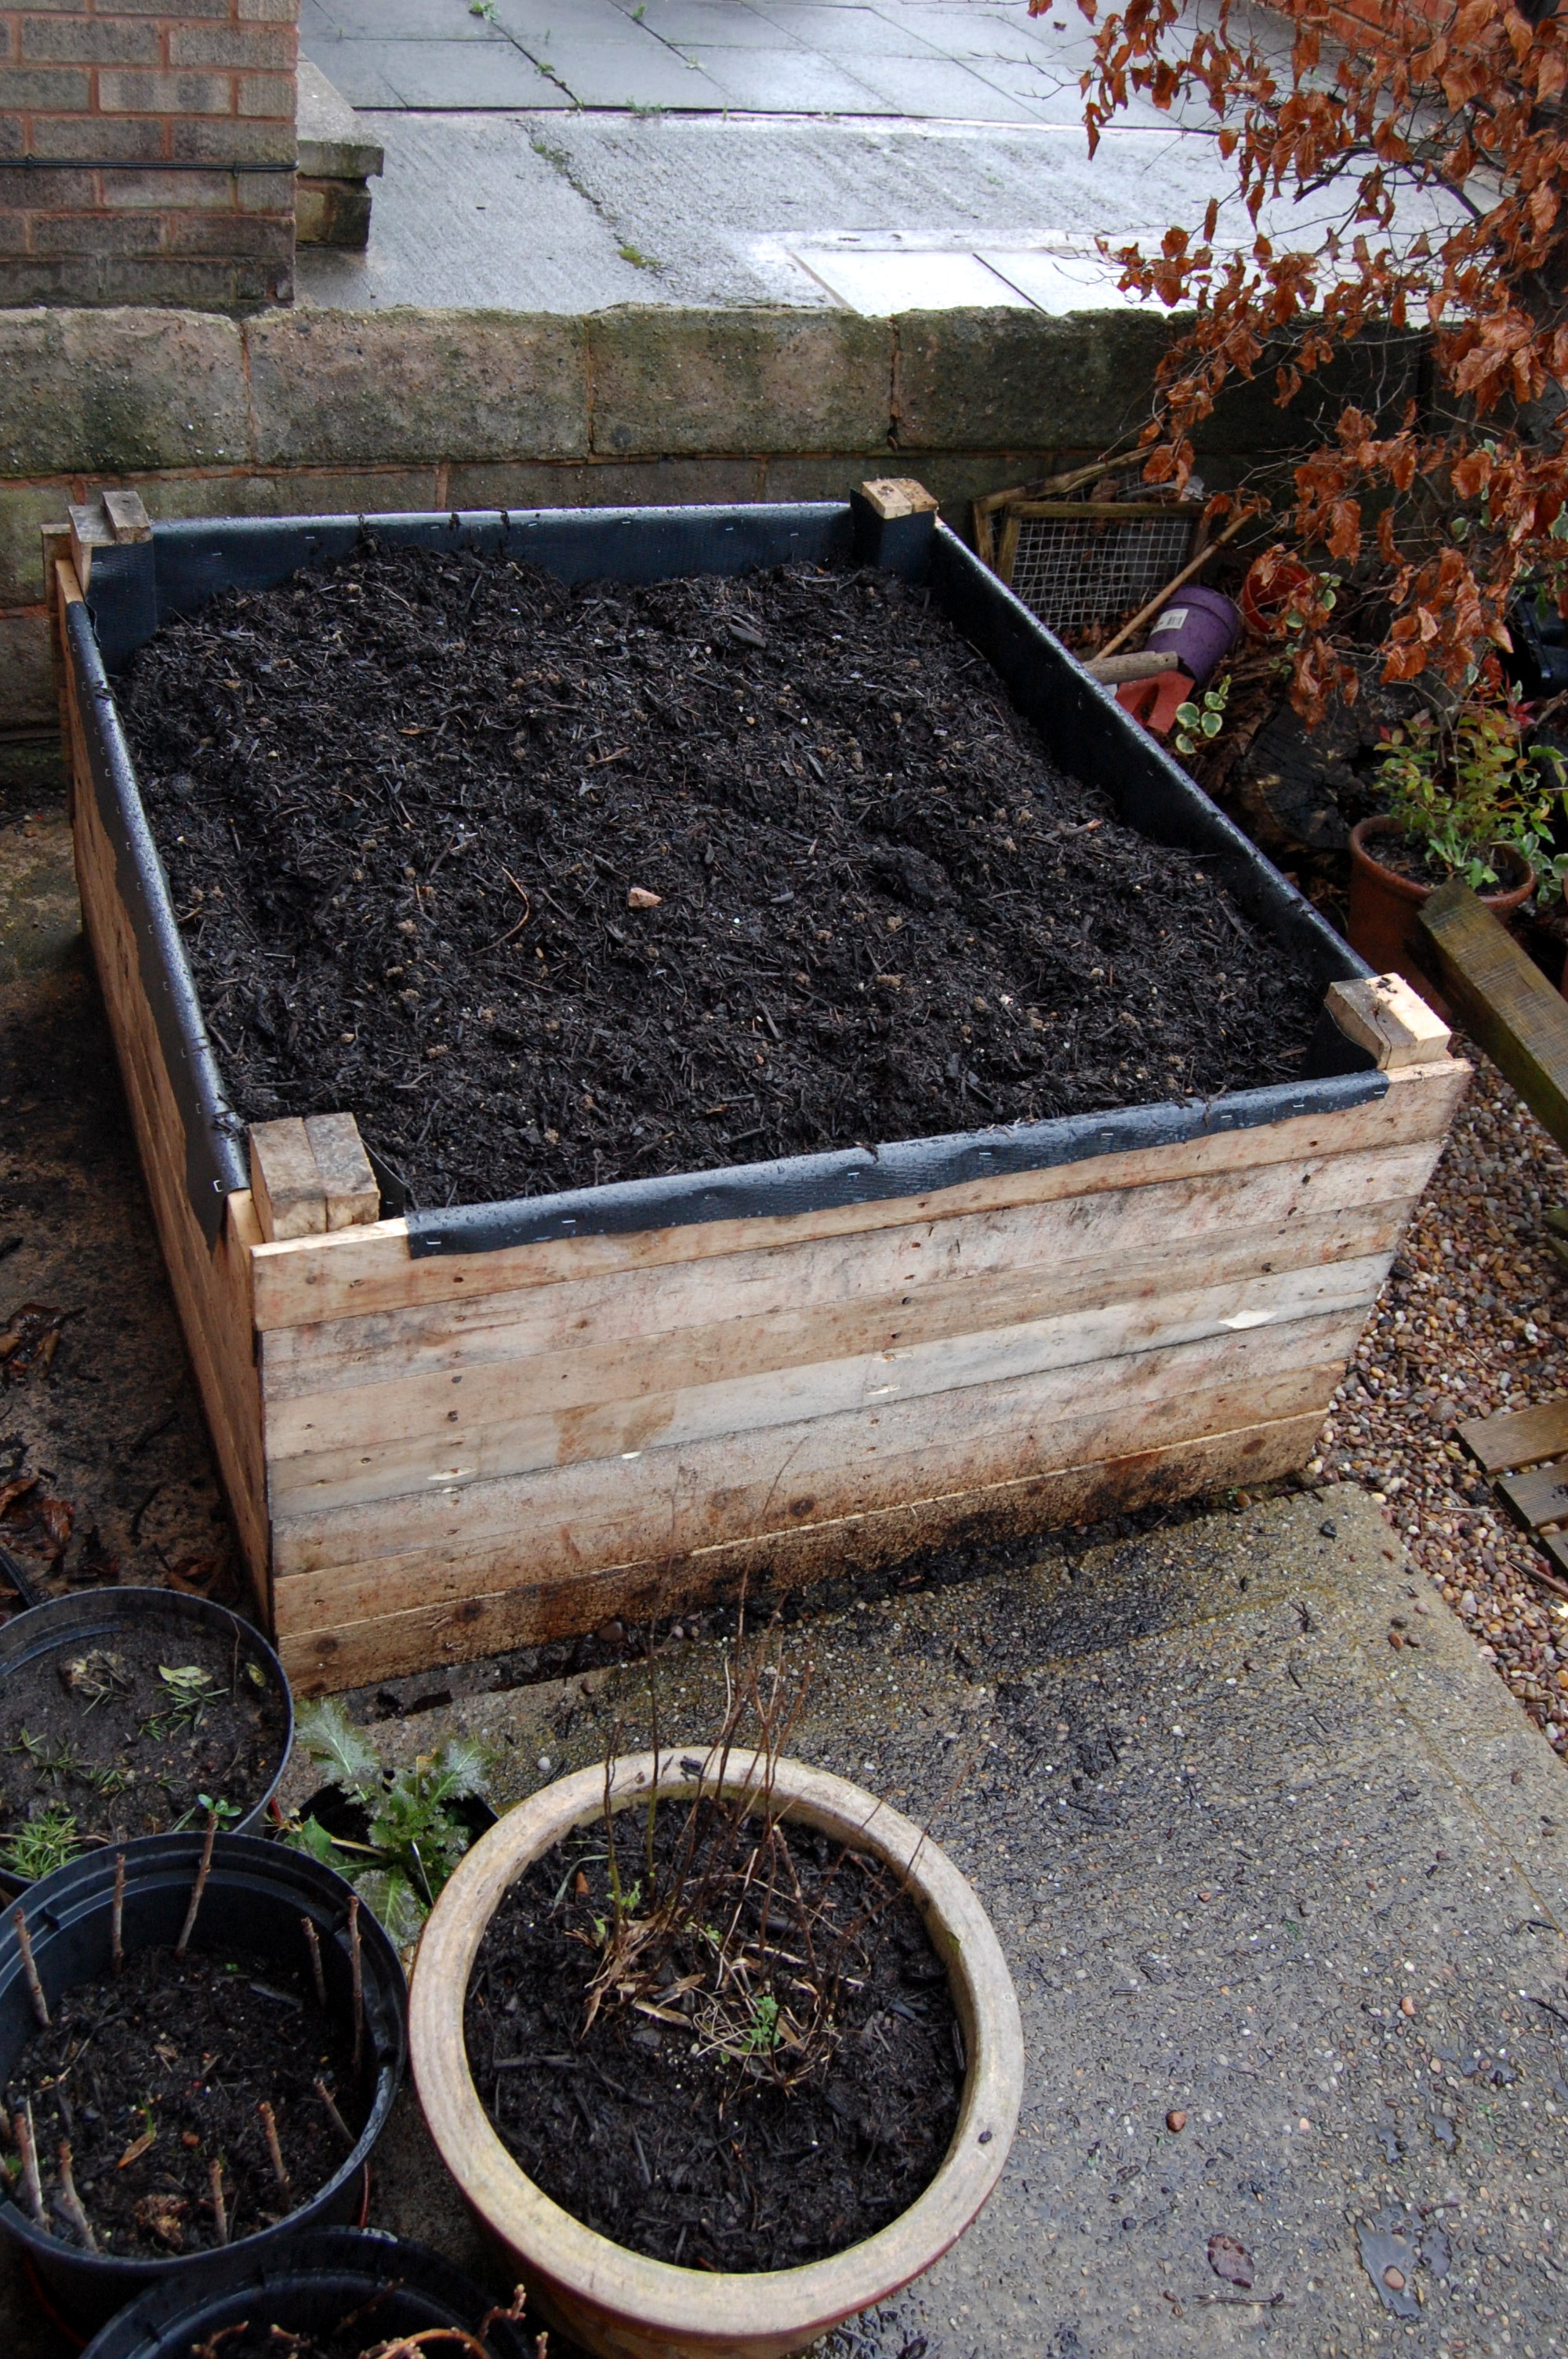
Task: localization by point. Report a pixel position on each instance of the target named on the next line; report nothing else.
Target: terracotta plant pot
(1383, 906)
(615, 2302)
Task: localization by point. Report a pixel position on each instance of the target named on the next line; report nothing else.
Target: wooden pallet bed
(445, 1435)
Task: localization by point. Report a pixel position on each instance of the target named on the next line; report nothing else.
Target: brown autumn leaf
(1231, 2260)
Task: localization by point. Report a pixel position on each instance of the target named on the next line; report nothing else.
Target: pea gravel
(1472, 1319)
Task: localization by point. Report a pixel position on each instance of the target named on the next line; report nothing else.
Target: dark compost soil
(99, 1729)
(653, 2127)
(189, 2049)
(403, 805)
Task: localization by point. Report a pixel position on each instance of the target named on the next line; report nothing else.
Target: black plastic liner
(1085, 732)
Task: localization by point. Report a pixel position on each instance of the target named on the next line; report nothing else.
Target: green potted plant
(1466, 797)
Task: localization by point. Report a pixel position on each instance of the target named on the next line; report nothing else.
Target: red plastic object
(1154, 702)
(1272, 582)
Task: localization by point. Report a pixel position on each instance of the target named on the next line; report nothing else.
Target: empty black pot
(33, 1645)
(256, 1893)
(323, 2277)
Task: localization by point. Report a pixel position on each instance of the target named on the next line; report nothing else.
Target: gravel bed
(1472, 1319)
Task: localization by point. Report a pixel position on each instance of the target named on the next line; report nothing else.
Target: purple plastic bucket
(1197, 630)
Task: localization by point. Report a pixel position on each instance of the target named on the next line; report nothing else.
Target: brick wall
(100, 94)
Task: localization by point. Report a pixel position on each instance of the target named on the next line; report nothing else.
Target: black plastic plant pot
(324, 2277)
(256, 1893)
(34, 1643)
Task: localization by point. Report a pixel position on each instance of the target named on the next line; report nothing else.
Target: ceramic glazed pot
(616, 2303)
(1383, 906)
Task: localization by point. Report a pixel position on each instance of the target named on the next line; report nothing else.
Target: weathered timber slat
(369, 1269)
(1537, 1498)
(1386, 1016)
(210, 1286)
(1504, 1000)
(670, 1499)
(286, 1186)
(1131, 1242)
(1517, 1438)
(399, 1437)
(527, 1613)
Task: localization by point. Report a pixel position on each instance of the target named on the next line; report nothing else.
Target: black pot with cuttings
(200, 2039)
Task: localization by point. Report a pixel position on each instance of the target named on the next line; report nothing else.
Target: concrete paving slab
(1225, 1832)
(722, 204)
(461, 75)
(763, 80)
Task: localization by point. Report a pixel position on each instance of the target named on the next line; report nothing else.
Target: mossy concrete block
(98, 392)
(1018, 380)
(370, 491)
(25, 509)
(635, 484)
(340, 389)
(27, 698)
(756, 381)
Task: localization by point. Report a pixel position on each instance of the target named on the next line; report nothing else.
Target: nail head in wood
(898, 496)
(351, 1188)
(1385, 1015)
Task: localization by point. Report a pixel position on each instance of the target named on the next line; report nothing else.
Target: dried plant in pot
(775, 1875)
(1468, 796)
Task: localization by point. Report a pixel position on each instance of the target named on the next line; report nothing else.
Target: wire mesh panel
(1080, 573)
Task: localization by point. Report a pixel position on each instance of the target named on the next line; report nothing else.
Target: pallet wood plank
(1122, 1242)
(673, 1499)
(383, 1439)
(211, 1287)
(1517, 1438)
(1504, 999)
(351, 1191)
(310, 1437)
(286, 1186)
(1537, 1498)
(1385, 1015)
(526, 1612)
(358, 1271)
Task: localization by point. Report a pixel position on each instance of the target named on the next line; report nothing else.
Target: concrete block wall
(146, 152)
(321, 412)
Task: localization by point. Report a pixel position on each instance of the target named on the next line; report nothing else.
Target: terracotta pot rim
(720, 2309)
(1379, 823)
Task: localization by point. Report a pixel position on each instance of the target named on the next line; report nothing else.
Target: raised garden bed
(476, 1423)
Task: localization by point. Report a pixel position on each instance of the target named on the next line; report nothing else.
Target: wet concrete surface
(1252, 1862)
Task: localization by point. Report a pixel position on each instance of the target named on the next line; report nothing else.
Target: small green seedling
(188, 1690)
(1196, 723)
(42, 1844)
(415, 1838)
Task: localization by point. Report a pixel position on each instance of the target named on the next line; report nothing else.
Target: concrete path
(1228, 1831)
(564, 155)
